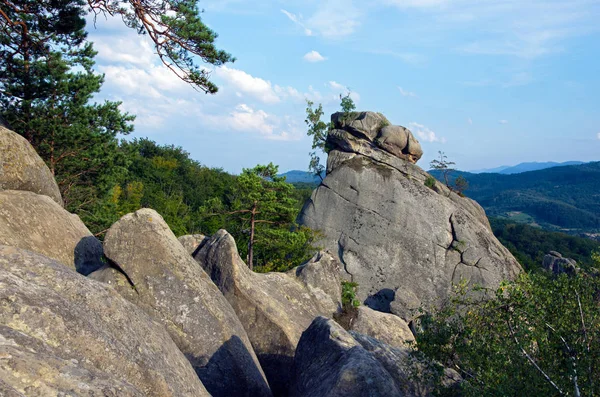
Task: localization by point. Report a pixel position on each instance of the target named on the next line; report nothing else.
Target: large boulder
(170, 286)
(396, 237)
(275, 308)
(388, 328)
(21, 168)
(555, 263)
(354, 130)
(62, 334)
(37, 223)
(330, 361)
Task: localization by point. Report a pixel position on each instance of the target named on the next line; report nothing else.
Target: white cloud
(151, 81)
(470, 121)
(129, 50)
(247, 84)
(407, 93)
(341, 89)
(298, 20)
(333, 19)
(247, 119)
(503, 121)
(314, 56)
(424, 133)
(598, 136)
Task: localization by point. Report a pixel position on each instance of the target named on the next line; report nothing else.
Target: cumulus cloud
(244, 118)
(247, 84)
(406, 93)
(314, 56)
(424, 133)
(503, 121)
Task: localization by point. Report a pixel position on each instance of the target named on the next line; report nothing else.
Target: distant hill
(563, 198)
(525, 167)
(297, 176)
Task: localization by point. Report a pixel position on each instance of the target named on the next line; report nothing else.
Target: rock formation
(275, 308)
(21, 168)
(191, 242)
(171, 287)
(37, 223)
(400, 240)
(555, 263)
(388, 328)
(62, 334)
(330, 361)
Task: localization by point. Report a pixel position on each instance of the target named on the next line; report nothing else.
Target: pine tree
(47, 84)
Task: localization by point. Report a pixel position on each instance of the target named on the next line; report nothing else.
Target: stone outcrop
(275, 308)
(398, 239)
(411, 376)
(191, 242)
(171, 287)
(21, 168)
(372, 130)
(37, 223)
(388, 328)
(330, 361)
(62, 334)
(555, 263)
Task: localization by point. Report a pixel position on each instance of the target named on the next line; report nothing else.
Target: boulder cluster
(145, 313)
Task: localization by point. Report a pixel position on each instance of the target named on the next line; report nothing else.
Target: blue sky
(489, 82)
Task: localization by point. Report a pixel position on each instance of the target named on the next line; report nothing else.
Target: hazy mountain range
(525, 167)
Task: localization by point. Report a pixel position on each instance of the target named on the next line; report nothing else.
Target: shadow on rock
(88, 253)
(227, 362)
(381, 300)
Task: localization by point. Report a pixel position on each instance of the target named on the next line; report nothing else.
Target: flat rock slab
(64, 334)
(21, 168)
(37, 223)
(172, 288)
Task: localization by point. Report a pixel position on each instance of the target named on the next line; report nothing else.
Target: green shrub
(349, 294)
(430, 182)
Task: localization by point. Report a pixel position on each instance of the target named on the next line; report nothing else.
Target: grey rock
(388, 328)
(37, 223)
(191, 242)
(321, 276)
(392, 233)
(362, 131)
(173, 289)
(21, 168)
(330, 362)
(63, 334)
(275, 308)
(555, 263)
(364, 125)
(408, 372)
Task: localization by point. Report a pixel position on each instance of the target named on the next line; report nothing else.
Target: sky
(487, 82)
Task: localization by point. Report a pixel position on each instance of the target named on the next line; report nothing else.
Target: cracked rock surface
(62, 334)
(402, 242)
